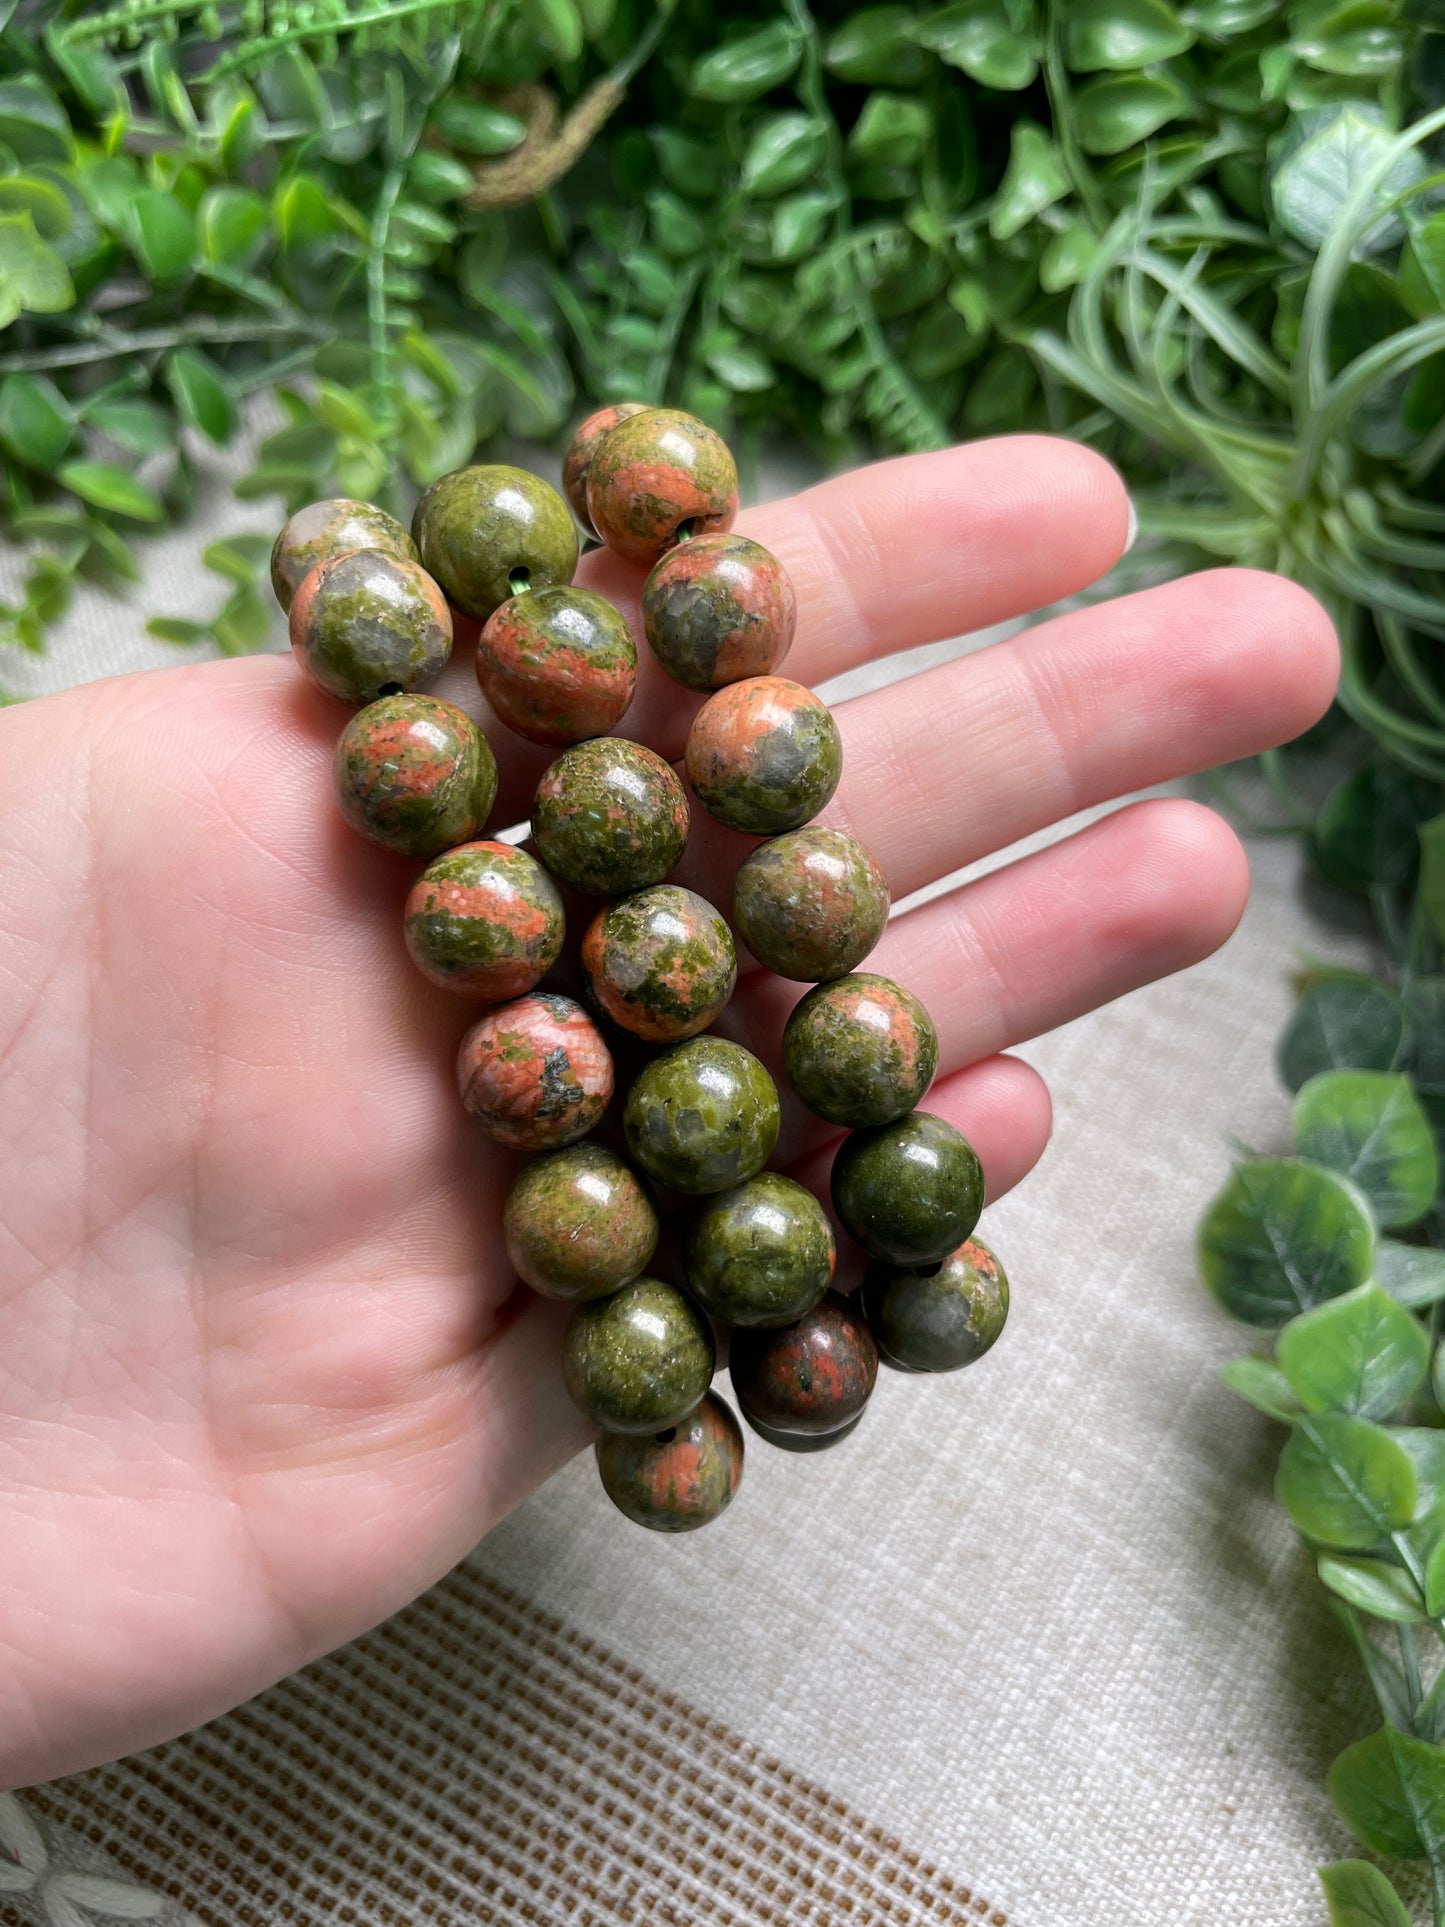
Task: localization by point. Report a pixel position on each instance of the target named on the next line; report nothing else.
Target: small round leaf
(1345, 1482)
(1369, 1127)
(1362, 1353)
(1283, 1236)
(1341, 1024)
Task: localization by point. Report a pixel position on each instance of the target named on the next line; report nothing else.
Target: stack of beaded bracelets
(372, 615)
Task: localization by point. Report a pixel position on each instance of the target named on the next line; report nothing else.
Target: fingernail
(1133, 536)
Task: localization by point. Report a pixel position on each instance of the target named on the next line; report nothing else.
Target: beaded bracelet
(372, 615)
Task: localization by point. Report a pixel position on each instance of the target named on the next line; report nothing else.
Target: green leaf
(178, 629)
(243, 625)
(747, 68)
(1422, 265)
(1122, 34)
(41, 199)
(985, 40)
(741, 369)
(137, 425)
(1359, 1895)
(1432, 873)
(799, 224)
(33, 278)
(201, 394)
(1332, 149)
(33, 124)
(342, 410)
(1262, 1384)
(877, 47)
(35, 420)
(1122, 110)
(1368, 1126)
(1362, 1353)
(105, 486)
(892, 130)
(558, 25)
(1374, 1587)
(1435, 1580)
(305, 215)
(107, 548)
(1413, 1275)
(437, 177)
(237, 557)
(1350, 1023)
(1034, 179)
(232, 225)
(783, 152)
(162, 234)
(1345, 1482)
(475, 128)
(1281, 1237)
(1390, 1792)
(1365, 833)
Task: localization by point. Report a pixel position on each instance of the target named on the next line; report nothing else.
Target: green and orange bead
(937, 1318)
(760, 1254)
(860, 1051)
(484, 531)
(586, 440)
(557, 665)
(810, 905)
(323, 530)
(717, 609)
(579, 1223)
(679, 1478)
(764, 756)
(368, 624)
(610, 816)
(656, 476)
(909, 1192)
(484, 920)
(638, 1360)
(535, 1073)
(702, 1116)
(661, 963)
(809, 1380)
(415, 775)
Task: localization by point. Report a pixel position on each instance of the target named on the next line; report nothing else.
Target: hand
(265, 1375)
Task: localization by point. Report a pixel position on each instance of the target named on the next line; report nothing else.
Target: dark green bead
(477, 528)
(812, 1377)
(368, 624)
(805, 1441)
(639, 1360)
(860, 1051)
(937, 1319)
(415, 775)
(609, 817)
(764, 755)
(679, 1478)
(910, 1192)
(760, 1254)
(811, 905)
(579, 1223)
(322, 530)
(702, 1116)
(661, 963)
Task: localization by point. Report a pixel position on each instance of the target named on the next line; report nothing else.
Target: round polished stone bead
(414, 774)
(811, 905)
(805, 1441)
(764, 755)
(940, 1317)
(638, 1360)
(909, 1192)
(812, 1377)
(661, 962)
(718, 608)
(702, 1116)
(484, 920)
(655, 472)
(322, 530)
(535, 1072)
(760, 1254)
(483, 530)
(860, 1051)
(583, 446)
(679, 1478)
(610, 816)
(557, 665)
(579, 1223)
(368, 624)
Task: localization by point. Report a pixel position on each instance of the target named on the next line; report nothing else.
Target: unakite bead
(860, 1051)
(654, 473)
(718, 608)
(322, 530)
(813, 1377)
(414, 774)
(702, 1116)
(804, 1441)
(811, 905)
(909, 1192)
(939, 1318)
(761, 1253)
(639, 1360)
(368, 624)
(481, 530)
(535, 1072)
(609, 816)
(579, 1223)
(764, 755)
(583, 446)
(557, 665)
(484, 920)
(679, 1478)
(661, 962)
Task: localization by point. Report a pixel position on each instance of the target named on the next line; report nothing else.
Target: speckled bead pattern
(764, 756)
(610, 816)
(811, 905)
(638, 1360)
(535, 1073)
(702, 1116)
(368, 624)
(415, 775)
(937, 1320)
(860, 1051)
(654, 473)
(661, 963)
(484, 920)
(718, 608)
(586, 440)
(322, 530)
(579, 1223)
(557, 665)
(679, 1478)
(812, 1377)
(476, 527)
(910, 1192)
(760, 1254)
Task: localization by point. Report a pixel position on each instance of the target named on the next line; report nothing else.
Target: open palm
(264, 1373)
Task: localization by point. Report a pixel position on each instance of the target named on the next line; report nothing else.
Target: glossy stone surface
(937, 1320)
(661, 962)
(535, 1073)
(414, 774)
(811, 905)
(652, 473)
(367, 624)
(579, 1223)
(610, 816)
(484, 920)
(761, 1253)
(557, 665)
(811, 1377)
(910, 1192)
(718, 608)
(764, 755)
(805, 1441)
(583, 446)
(638, 1360)
(476, 527)
(322, 530)
(860, 1051)
(679, 1478)
(702, 1116)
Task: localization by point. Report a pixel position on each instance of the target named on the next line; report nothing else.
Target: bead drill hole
(666, 1438)
(519, 581)
(685, 531)
(390, 689)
